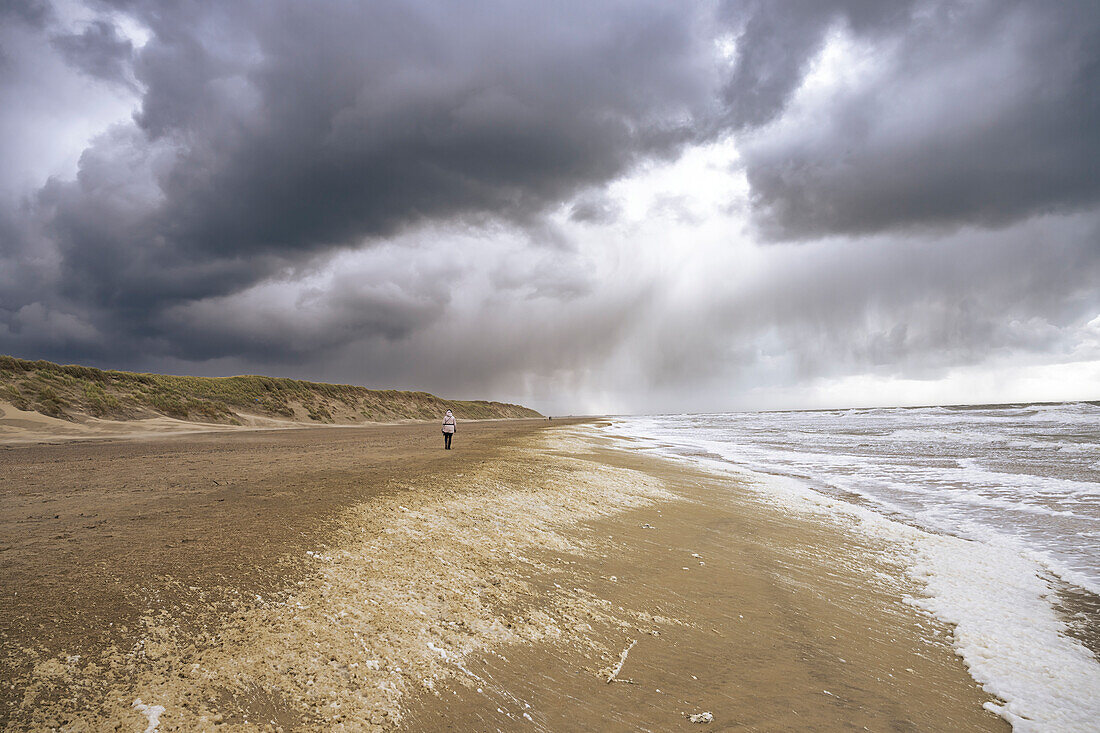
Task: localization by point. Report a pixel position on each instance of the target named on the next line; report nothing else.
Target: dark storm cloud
(20, 15)
(327, 123)
(384, 300)
(777, 40)
(269, 137)
(595, 208)
(978, 113)
(275, 132)
(31, 12)
(98, 51)
(441, 114)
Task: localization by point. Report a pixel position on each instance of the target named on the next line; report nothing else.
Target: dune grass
(69, 391)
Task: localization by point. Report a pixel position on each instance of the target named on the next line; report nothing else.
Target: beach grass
(71, 391)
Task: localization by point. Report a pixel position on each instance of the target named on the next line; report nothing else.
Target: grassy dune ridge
(72, 392)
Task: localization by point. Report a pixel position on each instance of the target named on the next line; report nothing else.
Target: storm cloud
(979, 113)
(99, 51)
(269, 133)
(485, 198)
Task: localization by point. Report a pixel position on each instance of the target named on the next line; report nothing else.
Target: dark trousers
(447, 440)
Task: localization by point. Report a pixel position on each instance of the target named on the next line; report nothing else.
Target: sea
(995, 509)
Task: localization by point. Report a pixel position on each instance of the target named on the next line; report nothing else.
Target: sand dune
(28, 426)
(41, 400)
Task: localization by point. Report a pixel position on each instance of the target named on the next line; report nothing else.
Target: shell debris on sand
(701, 718)
(622, 660)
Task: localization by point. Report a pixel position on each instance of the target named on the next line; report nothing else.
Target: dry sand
(365, 579)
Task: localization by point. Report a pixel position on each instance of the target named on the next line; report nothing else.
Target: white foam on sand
(993, 593)
(996, 598)
(152, 712)
(1009, 634)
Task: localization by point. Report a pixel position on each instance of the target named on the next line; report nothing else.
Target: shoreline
(766, 619)
(522, 565)
(1026, 633)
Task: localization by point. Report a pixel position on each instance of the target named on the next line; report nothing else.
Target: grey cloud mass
(99, 51)
(347, 190)
(34, 13)
(980, 112)
(270, 133)
(776, 41)
(927, 304)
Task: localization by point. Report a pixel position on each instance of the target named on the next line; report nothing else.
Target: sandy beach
(820, 279)
(364, 579)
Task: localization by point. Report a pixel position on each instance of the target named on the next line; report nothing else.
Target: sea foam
(1005, 628)
(993, 587)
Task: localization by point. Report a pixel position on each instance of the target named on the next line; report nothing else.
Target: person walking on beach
(448, 429)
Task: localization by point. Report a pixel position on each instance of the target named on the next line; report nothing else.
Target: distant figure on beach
(448, 429)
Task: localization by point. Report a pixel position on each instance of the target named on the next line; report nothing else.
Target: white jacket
(449, 423)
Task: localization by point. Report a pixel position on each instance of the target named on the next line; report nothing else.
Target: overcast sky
(631, 206)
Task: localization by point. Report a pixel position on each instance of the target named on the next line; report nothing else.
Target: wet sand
(364, 579)
(778, 623)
